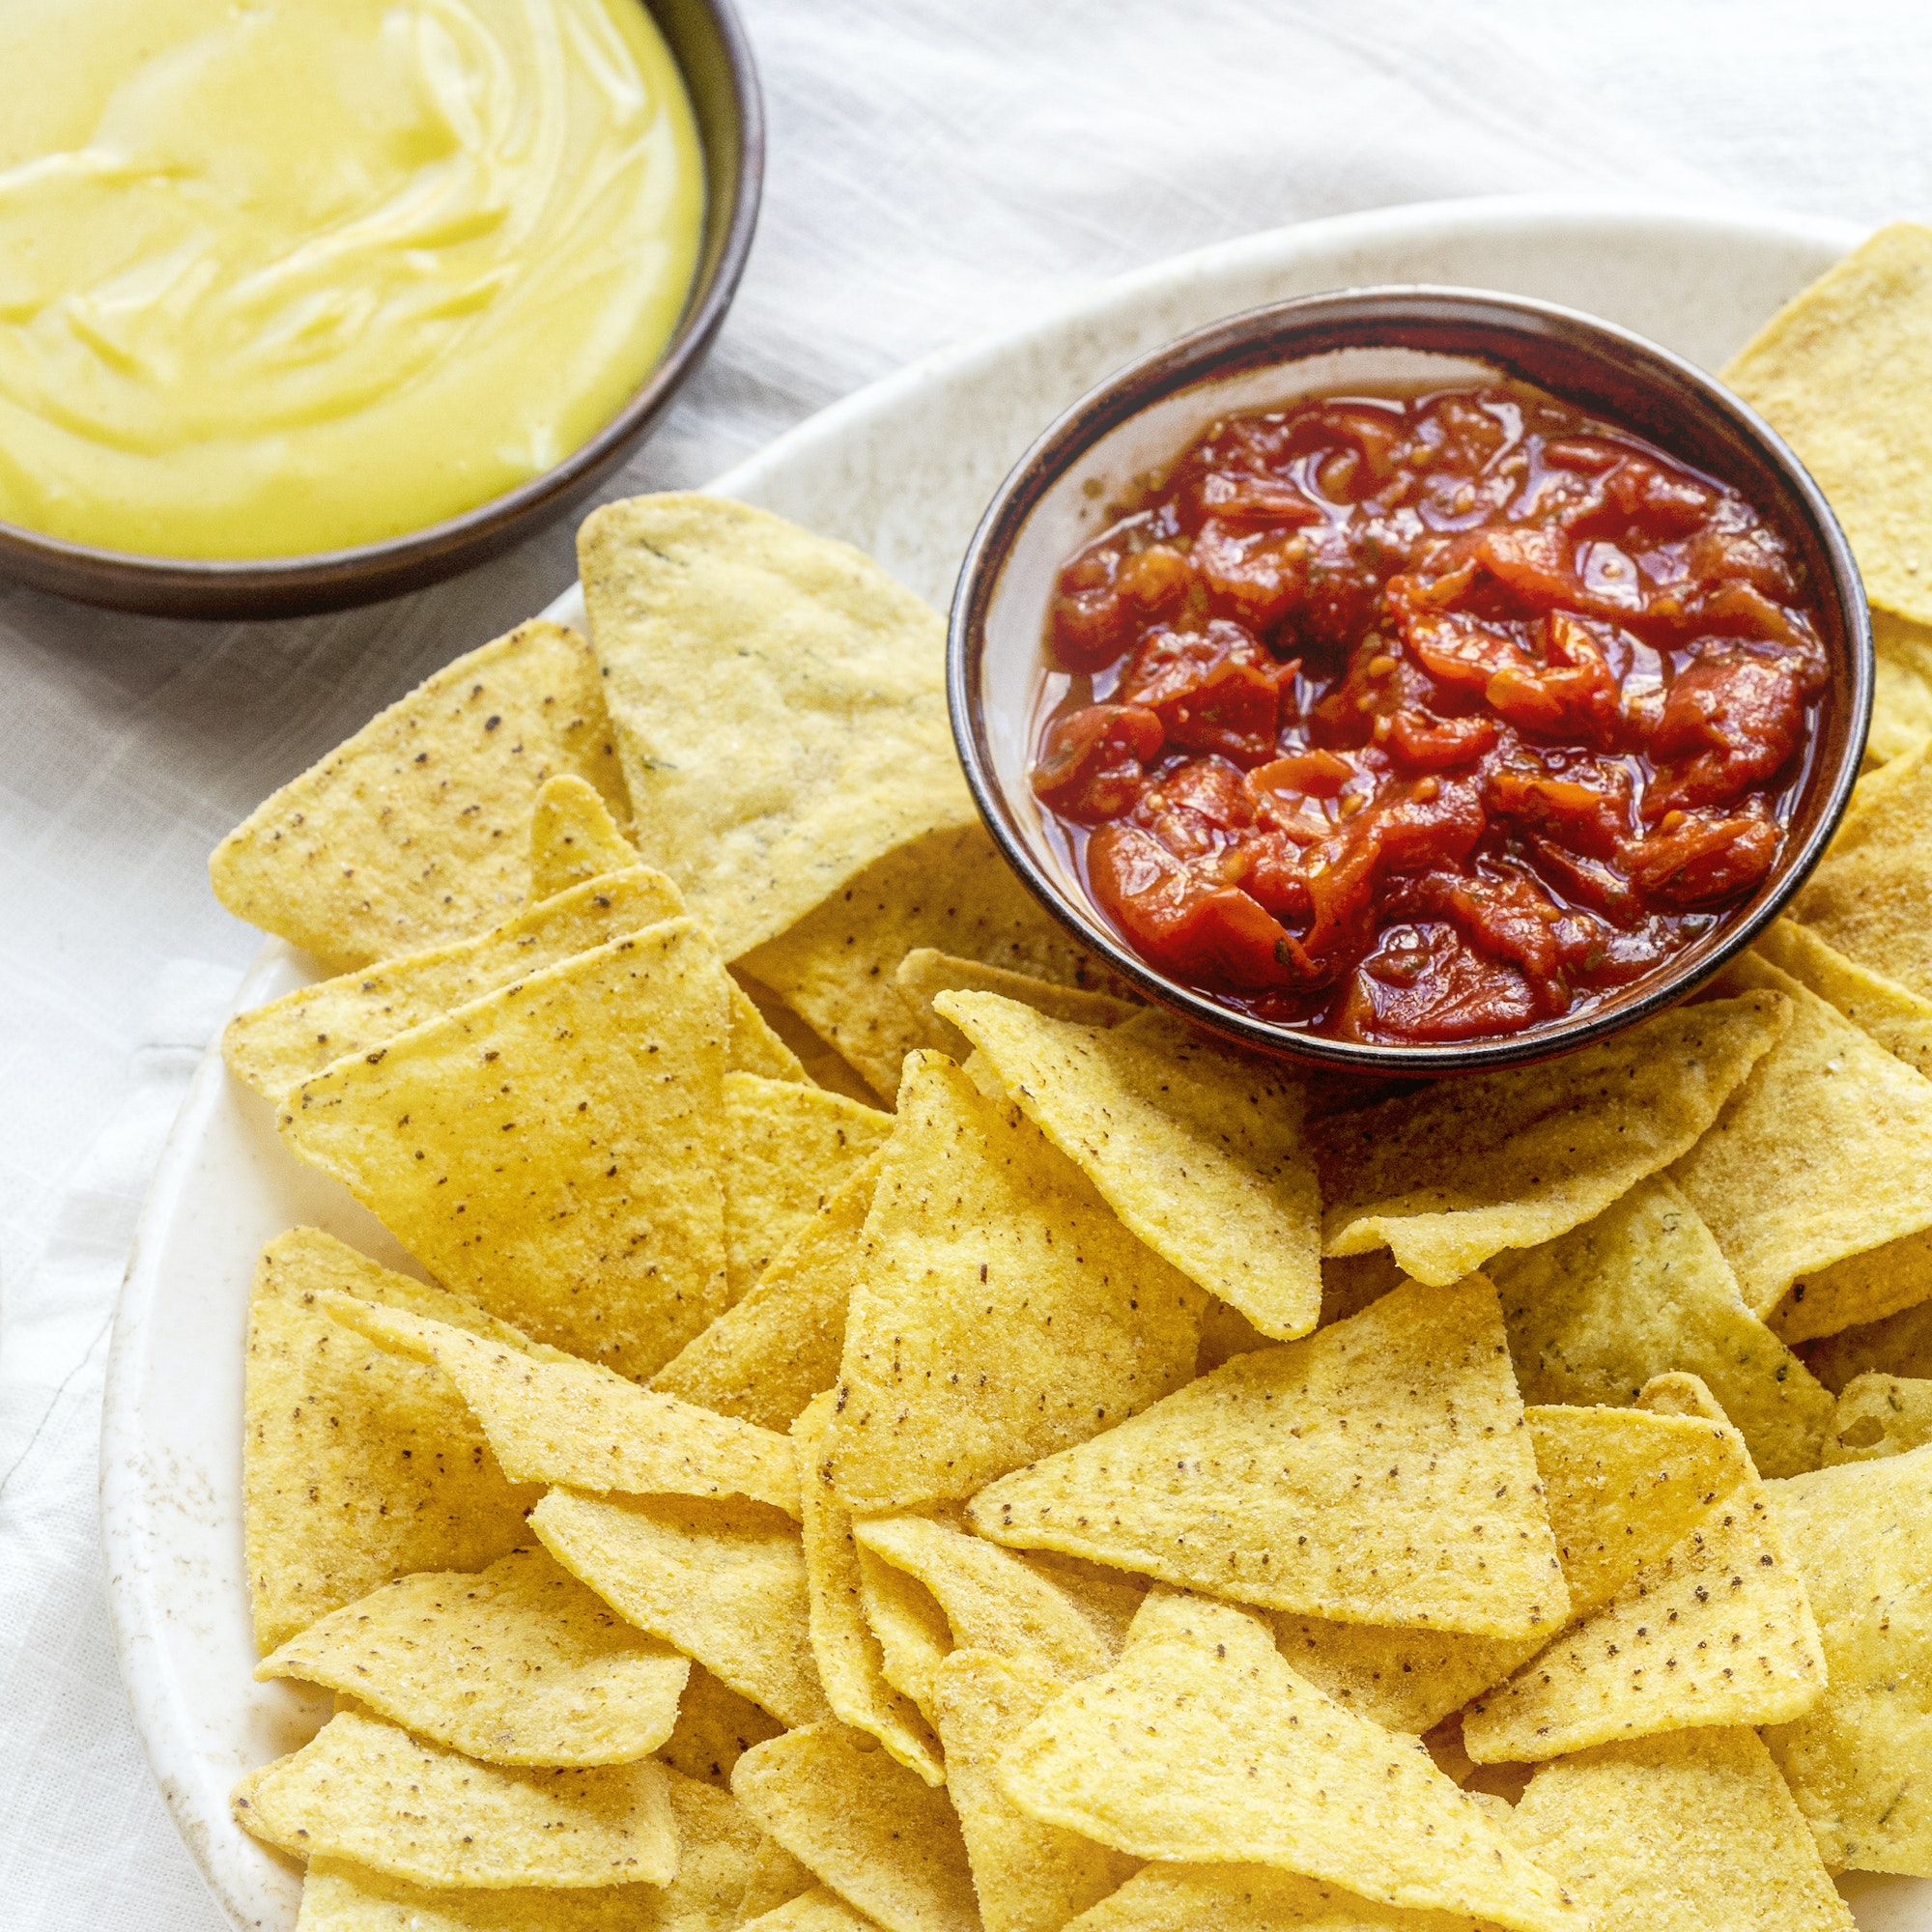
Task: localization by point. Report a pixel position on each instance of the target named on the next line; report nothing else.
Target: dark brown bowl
(1142, 418)
(708, 41)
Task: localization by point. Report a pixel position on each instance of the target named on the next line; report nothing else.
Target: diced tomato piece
(1274, 876)
(1424, 983)
(1750, 557)
(1432, 822)
(1741, 611)
(1730, 722)
(1574, 694)
(1591, 819)
(1262, 574)
(1090, 628)
(1314, 774)
(1237, 499)
(1092, 764)
(1588, 454)
(1154, 580)
(1533, 560)
(1656, 503)
(1514, 921)
(1703, 860)
(1381, 681)
(1419, 742)
(1215, 690)
(1194, 805)
(1463, 652)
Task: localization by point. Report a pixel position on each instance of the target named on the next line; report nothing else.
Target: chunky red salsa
(1426, 719)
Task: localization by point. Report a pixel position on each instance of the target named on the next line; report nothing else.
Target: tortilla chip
(1825, 1153)
(560, 1421)
(764, 1360)
(850, 1662)
(551, 1148)
(1621, 1487)
(357, 1466)
(913, 1636)
(573, 837)
(1871, 896)
(1261, 1483)
(1250, 1898)
(1225, 1333)
(1900, 1345)
(1642, 1289)
(950, 891)
(1454, 1174)
(1029, 1877)
(993, 1600)
(1861, 1535)
(1901, 687)
(1838, 372)
(369, 1792)
(924, 973)
(823, 1068)
(715, 1728)
(722, 1582)
(818, 1909)
(1718, 1631)
(780, 704)
(758, 1047)
(1000, 1311)
(411, 832)
(1696, 1828)
(1880, 1415)
(790, 1148)
(1195, 1146)
(1856, 1292)
(883, 1839)
(777, 1880)
(1350, 1283)
(517, 1665)
(1201, 1745)
(1899, 1019)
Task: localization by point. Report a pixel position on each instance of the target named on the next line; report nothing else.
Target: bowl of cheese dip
(303, 306)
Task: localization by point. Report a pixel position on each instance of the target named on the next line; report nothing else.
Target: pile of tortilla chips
(890, 1433)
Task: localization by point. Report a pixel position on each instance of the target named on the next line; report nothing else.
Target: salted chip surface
(883, 1839)
(412, 831)
(1251, 1898)
(1901, 687)
(1899, 1345)
(789, 1150)
(715, 1728)
(1379, 1471)
(913, 1635)
(357, 1466)
(573, 837)
(1621, 1486)
(1861, 1535)
(1716, 1630)
(777, 1879)
(556, 1420)
(1000, 1311)
(1451, 1174)
(1879, 1415)
(369, 1792)
(851, 1664)
(1197, 1149)
(1203, 1746)
(766, 1357)
(951, 892)
(518, 1664)
(926, 971)
(1693, 1828)
(780, 704)
(819, 1910)
(1838, 372)
(722, 1582)
(1029, 1877)
(550, 1149)
(1899, 1019)
(1643, 1289)
(1822, 1154)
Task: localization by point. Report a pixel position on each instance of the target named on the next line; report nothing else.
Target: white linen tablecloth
(936, 170)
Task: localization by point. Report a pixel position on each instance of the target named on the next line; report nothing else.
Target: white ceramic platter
(903, 470)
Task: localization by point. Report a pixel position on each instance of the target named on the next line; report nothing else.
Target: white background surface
(936, 171)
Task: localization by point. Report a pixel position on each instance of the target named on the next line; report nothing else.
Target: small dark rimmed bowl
(709, 43)
(1139, 420)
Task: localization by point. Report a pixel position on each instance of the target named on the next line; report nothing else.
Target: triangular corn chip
(1250, 1898)
(573, 837)
(764, 1360)
(412, 831)
(1824, 1154)
(1029, 1877)
(850, 1662)
(1699, 1819)
(999, 1312)
(715, 1728)
(1621, 1486)
(822, 1067)
(1461, 1170)
(777, 1879)
(1718, 1631)
(951, 892)
(1861, 1537)
(1379, 1471)
(819, 1910)
(913, 1636)
(993, 1600)
(572, 1423)
(1899, 1019)
(1195, 1146)
(1900, 1345)
(357, 1466)
(1108, 1600)
(825, 676)
(1640, 1290)
(722, 1582)
(518, 1664)
(881, 1837)
(369, 1792)
(1901, 688)
(1202, 1745)
(924, 973)
(1879, 1415)
(551, 1147)
(788, 1149)
(758, 1047)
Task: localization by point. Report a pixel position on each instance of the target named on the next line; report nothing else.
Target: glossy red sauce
(1426, 719)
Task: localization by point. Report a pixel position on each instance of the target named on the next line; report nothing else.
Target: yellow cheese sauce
(286, 275)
